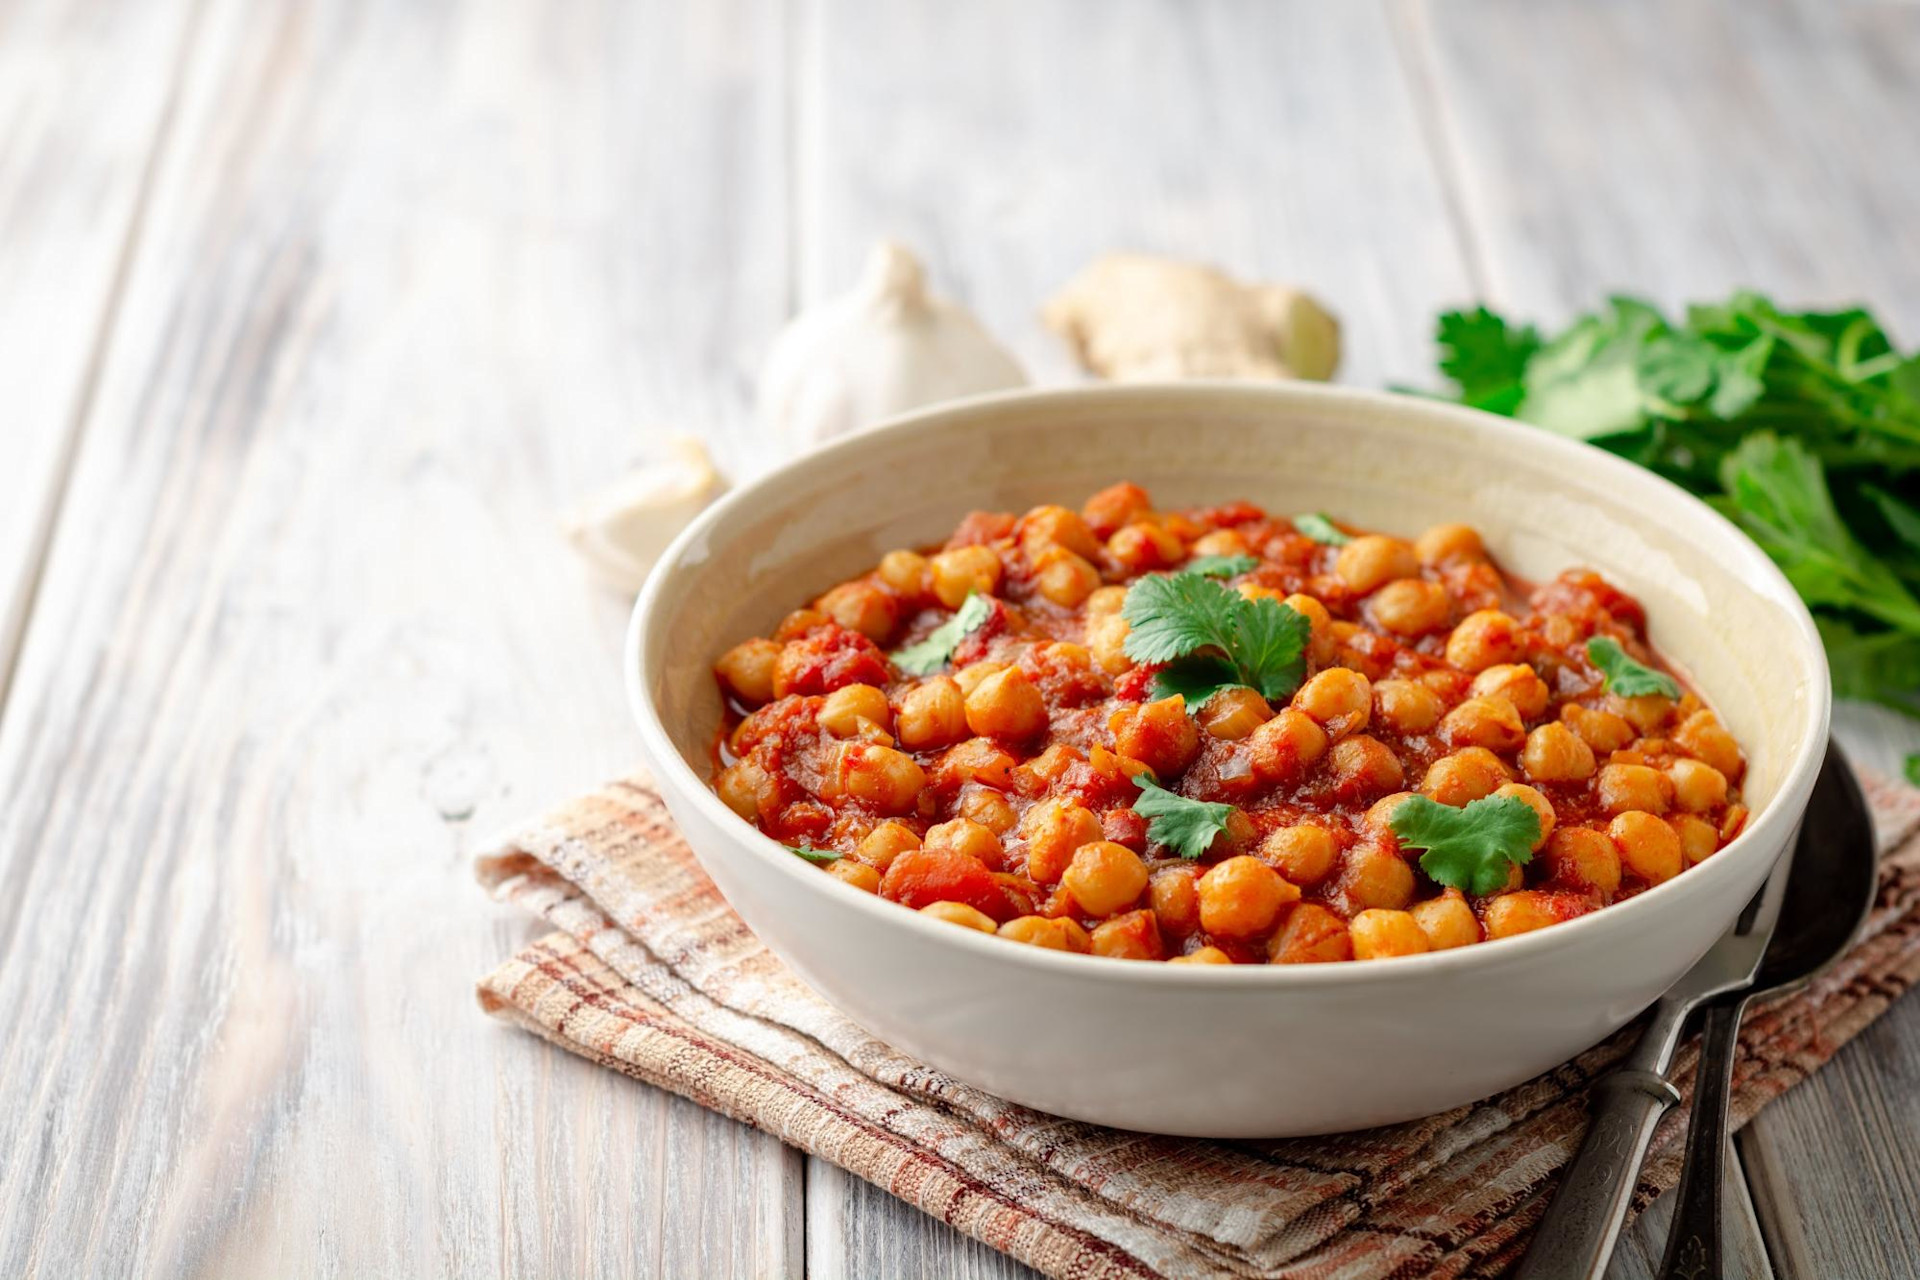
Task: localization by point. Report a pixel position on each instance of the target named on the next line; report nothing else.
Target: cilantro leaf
(818, 857)
(1469, 849)
(1211, 637)
(1912, 768)
(1321, 529)
(1185, 826)
(1221, 566)
(1486, 357)
(1624, 676)
(931, 654)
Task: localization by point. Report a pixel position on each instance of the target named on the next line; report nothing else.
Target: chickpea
(1158, 734)
(1205, 955)
(1176, 900)
(1379, 817)
(1058, 934)
(1104, 877)
(748, 790)
(1133, 936)
(1063, 577)
(1701, 736)
(1523, 912)
(862, 607)
(1646, 713)
(885, 843)
(1376, 876)
(1222, 542)
(1411, 606)
(905, 572)
(1697, 787)
(1286, 746)
(1378, 934)
(932, 714)
(1447, 921)
(1585, 859)
(1340, 699)
(1006, 705)
(973, 674)
(1242, 897)
(1554, 754)
(1484, 722)
(1517, 683)
(1141, 547)
(988, 808)
(1234, 713)
(1402, 706)
(963, 836)
(1634, 787)
(798, 623)
(1463, 777)
(1374, 559)
(846, 706)
(1054, 828)
(1363, 766)
(1698, 837)
(1448, 544)
(962, 571)
(858, 874)
(888, 780)
(1106, 600)
(1055, 526)
(1541, 806)
(1484, 639)
(1601, 730)
(1311, 934)
(1303, 854)
(1107, 639)
(1648, 846)
(1114, 506)
(747, 670)
(1321, 642)
(961, 914)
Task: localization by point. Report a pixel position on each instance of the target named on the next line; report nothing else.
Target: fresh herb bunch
(1802, 427)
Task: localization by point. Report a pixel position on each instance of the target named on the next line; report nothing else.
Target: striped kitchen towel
(651, 973)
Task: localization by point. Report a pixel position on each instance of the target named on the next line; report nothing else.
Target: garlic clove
(885, 347)
(1132, 317)
(619, 531)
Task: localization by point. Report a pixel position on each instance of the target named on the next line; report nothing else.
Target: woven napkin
(651, 973)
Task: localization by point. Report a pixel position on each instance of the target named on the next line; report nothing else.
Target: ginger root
(1132, 317)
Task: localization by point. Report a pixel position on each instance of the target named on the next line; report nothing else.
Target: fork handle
(1694, 1238)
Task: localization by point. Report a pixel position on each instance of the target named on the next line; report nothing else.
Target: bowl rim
(1491, 953)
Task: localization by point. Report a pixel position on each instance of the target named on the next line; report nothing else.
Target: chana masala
(1219, 736)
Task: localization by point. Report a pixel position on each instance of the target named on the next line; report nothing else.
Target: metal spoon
(1829, 892)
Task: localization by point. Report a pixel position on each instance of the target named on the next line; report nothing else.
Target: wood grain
(409, 277)
(1682, 151)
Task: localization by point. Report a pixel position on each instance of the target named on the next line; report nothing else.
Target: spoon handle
(1693, 1241)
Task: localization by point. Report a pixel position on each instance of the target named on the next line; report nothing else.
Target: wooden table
(312, 316)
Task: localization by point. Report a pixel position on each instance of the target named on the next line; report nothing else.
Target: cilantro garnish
(1185, 826)
(1469, 849)
(1321, 529)
(931, 654)
(1625, 677)
(818, 857)
(1212, 638)
(1221, 566)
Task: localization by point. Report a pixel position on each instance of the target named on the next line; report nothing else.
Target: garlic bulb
(622, 529)
(882, 349)
(1132, 317)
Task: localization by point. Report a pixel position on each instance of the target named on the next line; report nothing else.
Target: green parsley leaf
(1211, 637)
(1221, 566)
(1321, 529)
(1486, 357)
(1469, 849)
(931, 654)
(1912, 769)
(1626, 677)
(818, 857)
(1185, 826)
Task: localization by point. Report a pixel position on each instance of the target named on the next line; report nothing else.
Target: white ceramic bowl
(1247, 1051)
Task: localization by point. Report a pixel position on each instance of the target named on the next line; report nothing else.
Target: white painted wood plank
(84, 92)
(1681, 151)
(410, 277)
